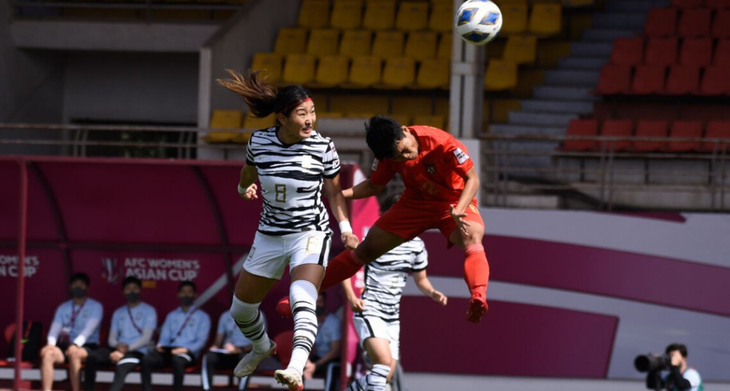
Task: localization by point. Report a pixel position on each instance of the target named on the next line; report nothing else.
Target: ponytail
(259, 95)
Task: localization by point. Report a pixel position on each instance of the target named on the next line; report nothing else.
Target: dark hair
(264, 98)
(381, 134)
(83, 277)
(187, 283)
(131, 280)
(677, 346)
(388, 202)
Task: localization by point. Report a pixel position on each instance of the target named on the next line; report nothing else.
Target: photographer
(680, 377)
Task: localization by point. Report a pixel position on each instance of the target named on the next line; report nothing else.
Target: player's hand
(232, 348)
(349, 240)
(180, 351)
(115, 356)
(160, 349)
(309, 369)
(123, 347)
(357, 305)
(439, 297)
(250, 193)
(460, 222)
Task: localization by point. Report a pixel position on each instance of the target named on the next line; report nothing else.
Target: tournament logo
(111, 271)
(461, 157)
(430, 168)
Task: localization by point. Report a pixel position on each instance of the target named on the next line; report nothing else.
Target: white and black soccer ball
(478, 21)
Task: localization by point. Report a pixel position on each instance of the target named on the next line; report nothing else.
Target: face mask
(78, 293)
(187, 301)
(321, 310)
(132, 297)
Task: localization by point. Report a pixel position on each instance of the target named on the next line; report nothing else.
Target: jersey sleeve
(331, 161)
(457, 158)
(381, 172)
(166, 333)
(249, 151)
(150, 320)
(421, 255)
(221, 329)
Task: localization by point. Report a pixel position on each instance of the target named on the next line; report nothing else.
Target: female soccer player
(292, 162)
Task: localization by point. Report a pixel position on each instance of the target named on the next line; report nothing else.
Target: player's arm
(356, 303)
(331, 354)
(338, 205)
(471, 187)
(424, 285)
(363, 189)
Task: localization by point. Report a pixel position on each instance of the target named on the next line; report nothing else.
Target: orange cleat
(477, 308)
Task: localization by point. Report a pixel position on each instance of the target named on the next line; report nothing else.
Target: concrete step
(564, 93)
(526, 129)
(582, 63)
(591, 49)
(571, 78)
(608, 35)
(540, 119)
(634, 5)
(619, 20)
(556, 107)
(527, 201)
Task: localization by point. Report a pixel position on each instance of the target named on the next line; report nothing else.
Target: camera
(652, 362)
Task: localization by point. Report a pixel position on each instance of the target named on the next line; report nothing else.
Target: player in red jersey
(440, 188)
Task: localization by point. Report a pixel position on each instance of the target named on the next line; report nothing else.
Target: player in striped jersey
(377, 311)
(294, 165)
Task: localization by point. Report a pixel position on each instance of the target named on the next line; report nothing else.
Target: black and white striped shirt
(386, 277)
(291, 178)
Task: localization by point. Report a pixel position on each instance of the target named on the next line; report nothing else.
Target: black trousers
(155, 359)
(213, 361)
(100, 358)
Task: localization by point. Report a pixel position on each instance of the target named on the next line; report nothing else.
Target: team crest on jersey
(461, 157)
(430, 168)
(375, 164)
(307, 161)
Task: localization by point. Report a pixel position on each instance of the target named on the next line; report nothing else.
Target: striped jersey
(386, 277)
(291, 178)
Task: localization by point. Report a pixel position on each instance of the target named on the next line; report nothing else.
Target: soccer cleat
(251, 361)
(477, 308)
(283, 307)
(290, 378)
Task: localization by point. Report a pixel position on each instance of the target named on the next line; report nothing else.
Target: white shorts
(270, 254)
(374, 327)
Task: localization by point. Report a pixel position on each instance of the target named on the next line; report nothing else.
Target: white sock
(249, 321)
(303, 299)
(378, 377)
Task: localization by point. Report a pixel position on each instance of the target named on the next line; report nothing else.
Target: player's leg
(123, 367)
(207, 368)
(76, 357)
(50, 356)
(379, 352)
(178, 362)
(150, 361)
(97, 358)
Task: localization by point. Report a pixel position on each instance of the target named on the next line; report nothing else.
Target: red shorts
(409, 219)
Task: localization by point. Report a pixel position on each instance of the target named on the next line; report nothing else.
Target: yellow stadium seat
(501, 75)
(347, 14)
(269, 64)
(224, 119)
(514, 18)
(445, 44)
(314, 14)
(436, 121)
(364, 72)
(379, 15)
(399, 72)
(521, 49)
(502, 3)
(251, 122)
(388, 44)
(546, 19)
(421, 45)
(331, 71)
(291, 41)
(299, 68)
(412, 16)
(352, 103)
(360, 114)
(329, 114)
(323, 42)
(403, 119)
(441, 107)
(356, 43)
(434, 73)
(502, 107)
(442, 17)
(411, 105)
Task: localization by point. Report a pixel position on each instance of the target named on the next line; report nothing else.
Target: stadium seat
(502, 107)
(329, 114)
(650, 128)
(581, 127)
(412, 16)
(514, 18)
(614, 79)
(704, 111)
(291, 41)
(299, 69)
(323, 42)
(648, 80)
(433, 73)
(721, 25)
(250, 122)
(441, 18)
(347, 14)
(521, 49)
(682, 80)
(314, 14)
(617, 128)
(402, 119)
(715, 81)
(546, 19)
(356, 43)
(224, 119)
(684, 129)
(421, 45)
(717, 4)
(379, 15)
(412, 105)
(501, 75)
(694, 23)
(627, 51)
(364, 72)
(696, 51)
(716, 129)
(388, 44)
(436, 121)
(362, 103)
(687, 3)
(442, 105)
(445, 44)
(722, 53)
(661, 22)
(641, 110)
(398, 73)
(331, 71)
(269, 64)
(661, 51)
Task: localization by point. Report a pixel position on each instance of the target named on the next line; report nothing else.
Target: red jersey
(437, 174)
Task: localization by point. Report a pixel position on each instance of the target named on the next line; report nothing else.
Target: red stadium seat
(639, 110)
(696, 51)
(650, 128)
(686, 3)
(721, 25)
(695, 23)
(717, 4)
(682, 80)
(704, 111)
(716, 129)
(684, 129)
(615, 79)
(722, 53)
(661, 22)
(618, 128)
(627, 51)
(648, 80)
(661, 51)
(716, 81)
(581, 127)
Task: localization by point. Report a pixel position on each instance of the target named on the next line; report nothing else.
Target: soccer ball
(478, 21)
